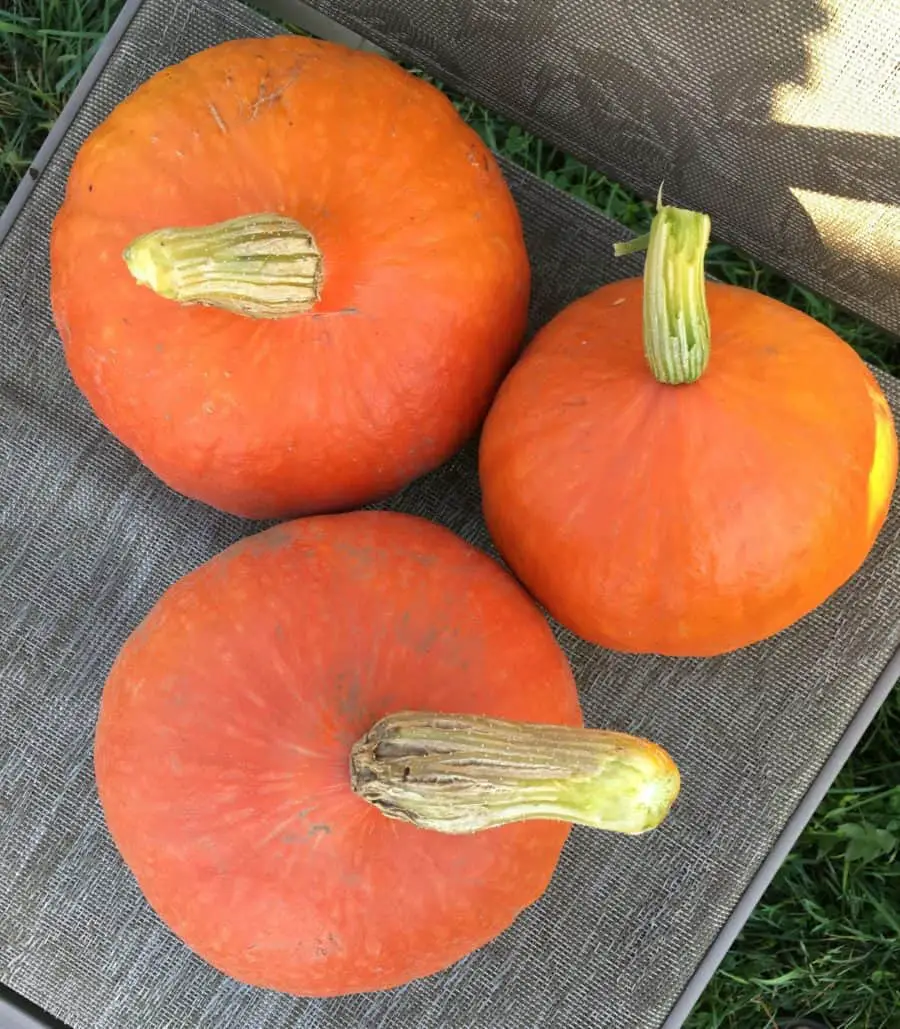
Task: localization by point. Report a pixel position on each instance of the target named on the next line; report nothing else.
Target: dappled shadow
(647, 91)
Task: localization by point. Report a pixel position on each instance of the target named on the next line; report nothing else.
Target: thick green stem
(259, 265)
(676, 320)
(463, 773)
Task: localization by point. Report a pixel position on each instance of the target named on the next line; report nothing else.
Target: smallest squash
(684, 467)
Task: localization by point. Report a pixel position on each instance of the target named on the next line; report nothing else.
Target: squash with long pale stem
(347, 752)
(684, 467)
(288, 276)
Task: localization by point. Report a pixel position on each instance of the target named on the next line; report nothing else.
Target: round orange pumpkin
(345, 334)
(654, 504)
(252, 737)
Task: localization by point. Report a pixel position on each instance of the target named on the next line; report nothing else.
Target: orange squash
(288, 276)
(281, 700)
(654, 504)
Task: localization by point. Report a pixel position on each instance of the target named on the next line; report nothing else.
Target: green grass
(826, 937)
(45, 46)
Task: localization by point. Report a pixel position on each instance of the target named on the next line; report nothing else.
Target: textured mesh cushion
(779, 117)
(90, 540)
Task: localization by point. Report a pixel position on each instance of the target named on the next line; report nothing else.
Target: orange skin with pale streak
(686, 520)
(426, 278)
(223, 747)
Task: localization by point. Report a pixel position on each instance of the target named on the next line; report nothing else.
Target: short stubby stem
(258, 265)
(675, 316)
(464, 773)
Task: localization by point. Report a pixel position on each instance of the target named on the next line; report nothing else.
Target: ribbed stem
(259, 265)
(463, 773)
(675, 317)
(676, 320)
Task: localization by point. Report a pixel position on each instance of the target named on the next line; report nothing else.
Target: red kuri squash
(345, 334)
(282, 699)
(652, 503)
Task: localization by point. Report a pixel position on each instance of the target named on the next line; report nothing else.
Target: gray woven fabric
(779, 117)
(90, 540)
